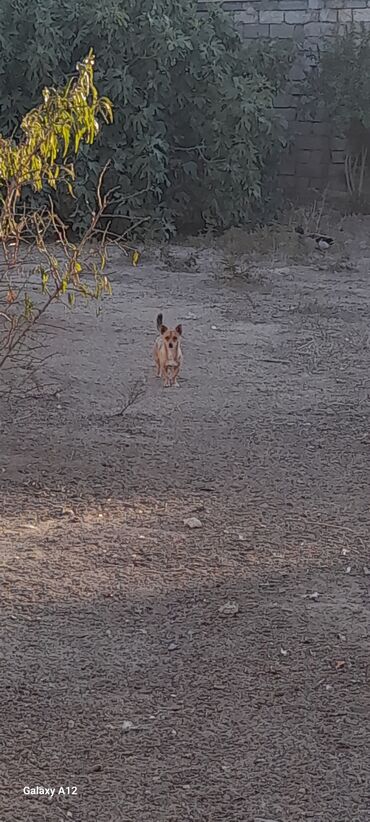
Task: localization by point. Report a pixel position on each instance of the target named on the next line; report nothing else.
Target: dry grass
(279, 244)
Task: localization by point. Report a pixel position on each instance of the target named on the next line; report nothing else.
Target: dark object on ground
(321, 240)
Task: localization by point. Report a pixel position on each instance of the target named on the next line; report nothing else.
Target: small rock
(68, 512)
(214, 327)
(192, 522)
(71, 723)
(229, 609)
(348, 569)
(264, 819)
(366, 571)
(283, 652)
(191, 316)
(314, 596)
(127, 726)
(172, 646)
(109, 633)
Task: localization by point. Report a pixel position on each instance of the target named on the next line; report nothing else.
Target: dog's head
(171, 340)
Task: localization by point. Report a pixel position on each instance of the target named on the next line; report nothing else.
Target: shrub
(32, 273)
(195, 140)
(340, 82)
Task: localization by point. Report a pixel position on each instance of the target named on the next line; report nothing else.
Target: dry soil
(123, 677)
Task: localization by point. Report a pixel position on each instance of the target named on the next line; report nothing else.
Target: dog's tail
(159, 321)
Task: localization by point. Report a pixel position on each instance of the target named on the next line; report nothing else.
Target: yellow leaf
(11, 296)
(135, 258)
(66, 136)
(77, 141)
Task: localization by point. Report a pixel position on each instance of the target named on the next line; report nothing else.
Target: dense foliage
(340, 85)
(195, 140)
(341, 79)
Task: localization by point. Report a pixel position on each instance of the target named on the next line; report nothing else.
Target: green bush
(340, 85)
(195, 140)
(341, 79)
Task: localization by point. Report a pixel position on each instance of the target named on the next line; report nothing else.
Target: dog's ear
(159, 321)
(179, 329)
(163, 329)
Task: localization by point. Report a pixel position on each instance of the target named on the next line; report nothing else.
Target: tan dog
(167, 352)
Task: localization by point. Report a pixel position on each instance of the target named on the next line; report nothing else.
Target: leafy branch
(33, 274)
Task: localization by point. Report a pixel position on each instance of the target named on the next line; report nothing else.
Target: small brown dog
(167, 352)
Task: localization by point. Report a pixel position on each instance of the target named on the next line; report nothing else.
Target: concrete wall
(315, 159)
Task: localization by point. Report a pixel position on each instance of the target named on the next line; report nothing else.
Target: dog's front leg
(175, 374)
(165, 377)
(157, 362)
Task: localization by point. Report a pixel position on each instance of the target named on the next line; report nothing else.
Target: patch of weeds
(278, 242)
(275, 243)
(236, 267)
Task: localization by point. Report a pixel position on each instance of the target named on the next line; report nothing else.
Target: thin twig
(135, 394)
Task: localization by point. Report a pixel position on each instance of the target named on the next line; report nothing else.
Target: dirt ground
(122, 679)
